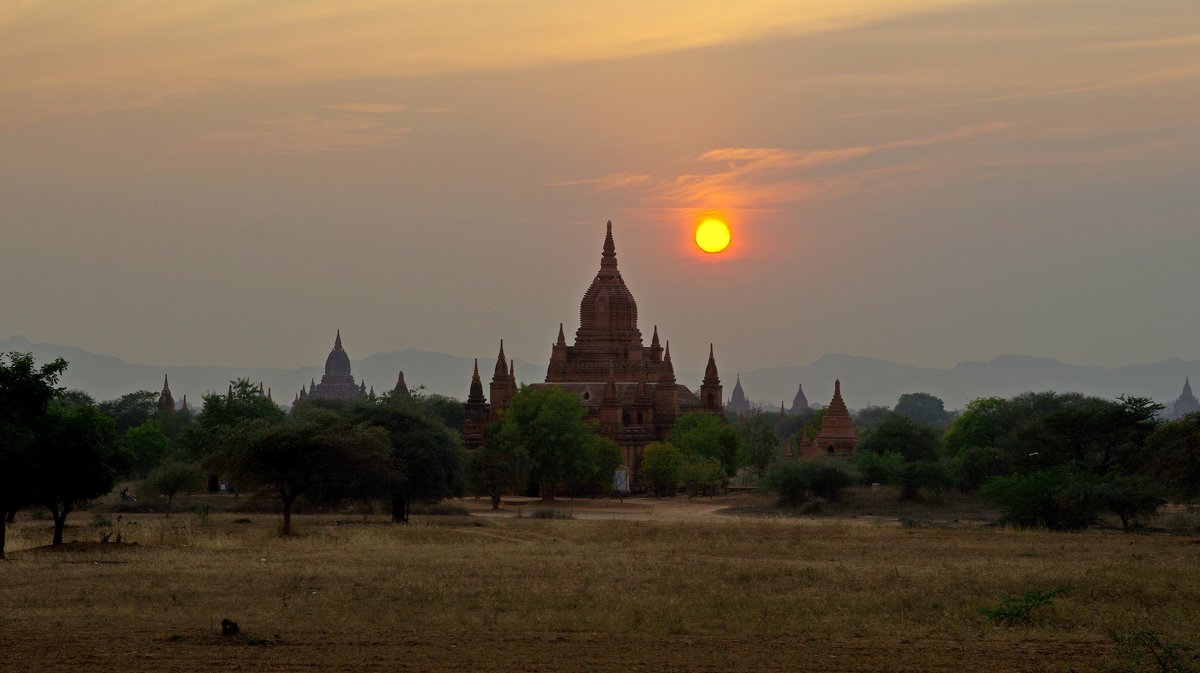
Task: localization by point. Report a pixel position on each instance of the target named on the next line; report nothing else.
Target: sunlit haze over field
(925, 181)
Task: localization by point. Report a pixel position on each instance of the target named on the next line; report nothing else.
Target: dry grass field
(458, 593)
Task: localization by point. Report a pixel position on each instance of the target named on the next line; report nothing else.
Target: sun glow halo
(712, 235)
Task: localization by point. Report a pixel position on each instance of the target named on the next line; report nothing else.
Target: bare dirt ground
(644, 585)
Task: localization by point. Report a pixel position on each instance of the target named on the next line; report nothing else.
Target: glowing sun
(712, 235)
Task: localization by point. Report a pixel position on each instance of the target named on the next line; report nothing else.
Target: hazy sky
(221, 182)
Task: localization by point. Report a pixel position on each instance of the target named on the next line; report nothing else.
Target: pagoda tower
(799, 403)
(836, 436)
(165, 401)
(1185, 404)
(738, 404)
(337, 383)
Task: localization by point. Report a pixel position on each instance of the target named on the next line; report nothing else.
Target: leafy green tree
(987, 421)
(661, 466)
(878, 469)
(222, 413)
(1173, 457)
(173, 477)
(318, 455)
(449, 410)
(548, 423)
(701, 475)
(77, 458)
(147, 446)
(131, 410)
(897, 434)
(25, 393)
(922, 408)
(1130, 497)
(756, 430)
(974, 466)
(797, 482)
(606, 459)
(1060, 498)
(500, 466)
(929, 475)
(709, 436)
(865, 418)
(425, 456)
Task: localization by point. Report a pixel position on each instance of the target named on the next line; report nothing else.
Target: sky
(923, 181)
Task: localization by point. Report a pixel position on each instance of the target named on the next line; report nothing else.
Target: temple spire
(608, 259)
(501, 363)
(337, 342)
(710, 371)
(562, 338)
(654, 339)
(476, 394)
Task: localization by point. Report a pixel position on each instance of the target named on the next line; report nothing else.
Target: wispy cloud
(369, 108)
(305, 133)
(1164, 42)
(605, 182)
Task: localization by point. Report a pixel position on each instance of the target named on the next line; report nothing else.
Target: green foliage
(1025, 609)
(175, 476)
(424, 453)
(77, 459)
(25, 393)
(924, 475)
(1173, 457)
(1131, 498)
(446, 409)
(701, 475)
(662, 464)
(756, 430)
(974, 466)
(922, 408)
(876, 469)
(607, 460)
(865, 418)
(147, 446)
(798, 482)
(897, 434)
(548, 513)
(319, 455)
(709, 436)
(131, 410)
(1061, 498)
(1145, 651)
(223, 413)
(500, 466)
(548, 424)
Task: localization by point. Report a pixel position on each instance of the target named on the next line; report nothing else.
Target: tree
(1130, 498)
(425, 455)
(319, 455)
(25, 394)
(77, 459)
(709, 436)
(221, 416)
(922, 408)
(867, 417)
(548, 423)
(131, 410)
(701, 475)
(974, 466)
(447, 409)
(147, 446)
(175, 476)
(661, 465)
(797, 482)
(1060, 498)
(930, 475)
(1173, 457)
(500, 466)
(757, 432)
(897, 434)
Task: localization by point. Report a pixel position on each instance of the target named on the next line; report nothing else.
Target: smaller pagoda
(837, 436)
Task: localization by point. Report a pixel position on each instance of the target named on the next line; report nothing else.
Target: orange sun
(712, 235)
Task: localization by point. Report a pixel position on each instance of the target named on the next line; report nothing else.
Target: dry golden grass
(454, 593)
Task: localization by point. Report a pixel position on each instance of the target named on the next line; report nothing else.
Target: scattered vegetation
(1029, 608)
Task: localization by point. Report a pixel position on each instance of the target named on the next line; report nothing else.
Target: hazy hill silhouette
(864, 380)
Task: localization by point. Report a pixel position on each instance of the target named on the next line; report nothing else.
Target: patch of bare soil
(81, 547)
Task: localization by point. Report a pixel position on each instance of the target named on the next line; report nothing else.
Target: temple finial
(654, 339)
(337, 342)
(608, 260)
(562, 338)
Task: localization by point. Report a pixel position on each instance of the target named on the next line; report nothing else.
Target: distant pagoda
(737, 404)
(1185, 404)
(337, 383)
(799, 403)
(837, 436)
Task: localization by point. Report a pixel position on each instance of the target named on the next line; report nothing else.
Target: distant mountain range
(865, 381)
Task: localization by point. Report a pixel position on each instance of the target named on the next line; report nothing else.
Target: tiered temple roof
(837, 436)
(1185, 404)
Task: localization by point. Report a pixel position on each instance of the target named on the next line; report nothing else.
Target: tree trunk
(60, 522)
(3, 533)
(496, 500)
(10, 516)
(287, 517)
(400, 507)
(169, 499)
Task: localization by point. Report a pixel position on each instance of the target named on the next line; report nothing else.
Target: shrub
(1061, 498)
(878, 469)
(1019, 610)
(1144, 650)
(974, 466)
(439, 509)
(661, 464)
(929, 475)
(796, 483)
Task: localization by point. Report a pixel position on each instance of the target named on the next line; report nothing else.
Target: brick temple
(629, 387)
